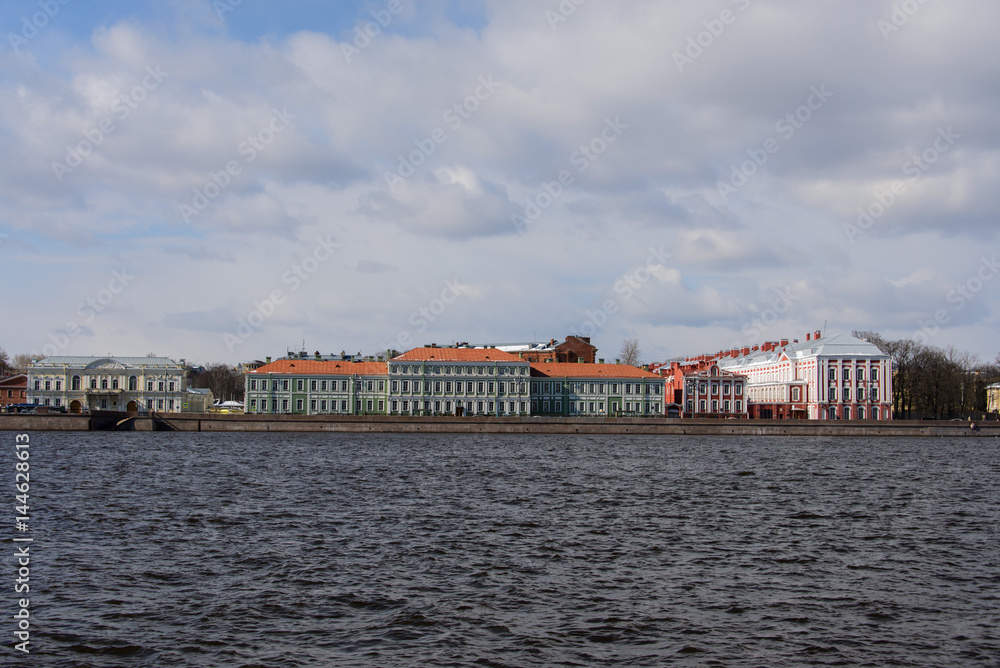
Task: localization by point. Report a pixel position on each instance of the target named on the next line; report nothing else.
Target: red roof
(457, 355)
(570, 370)
(323, 368)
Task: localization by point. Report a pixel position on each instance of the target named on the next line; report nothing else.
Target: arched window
(133, 384)
(76, 382)
(114, 383)
(104, 383)
(874, 413)
(93, 382)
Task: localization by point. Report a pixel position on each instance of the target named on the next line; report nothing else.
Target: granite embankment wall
(196, 422)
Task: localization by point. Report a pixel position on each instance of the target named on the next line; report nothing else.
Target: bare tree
(23, 360)
(630, 353)
(5, 367)
(225, 382)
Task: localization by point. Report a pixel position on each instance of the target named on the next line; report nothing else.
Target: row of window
(727, 388)
(727, 406)
(861, 393)
(133, 385)
(416, 369)
(832, 373)
(831, 413)
(582, 387)
(151, 404)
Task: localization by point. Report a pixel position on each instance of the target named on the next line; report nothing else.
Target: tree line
(932, 382)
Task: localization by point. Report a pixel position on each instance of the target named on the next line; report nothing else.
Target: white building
(824, 378)
(107, 383)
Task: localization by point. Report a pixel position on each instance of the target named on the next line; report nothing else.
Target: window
(861, 413)
(159, 385)
(406, 406)
(300, 385)
(875, 375)
(628, 388)
(796, 394)
(437, 387)
(284, 385)
(875, 395)
(861, 395)
(381, 406)
(104, 384)
(381, 386)
(322, 405)
(406, 388)
(58, 387)
(371, 385)
(725, 406)
(702, 388)
(284, 405)
(395, 406)
(590, 406)
(76, 382)
(847, 412)
(447, 387)
(847, 393)
(312, 405)
(833, 394)
(133, 383)
(739, 406)
(343, 386)
(483, 385)
(715, 405)
(322, 385)
(370, 405)
(861, 376)
(874, 413)
(253, 405)
(171, 386)
(437, 404)
(343, 406)
(832, 373)
(312, 385)
(847, 373)
(149, 385)
(469, 387)
(395, 388)
(298, 404)
(38, 384)
(701, 406)
(558, 407)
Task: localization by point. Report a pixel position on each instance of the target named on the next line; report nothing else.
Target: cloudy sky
(222, 180)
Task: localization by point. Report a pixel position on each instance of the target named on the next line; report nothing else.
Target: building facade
(317, 387)
(13, 390)
(599, 390)
(837, 377)
(573, 350)
(130, 384)
(458, 381)
(699, 388)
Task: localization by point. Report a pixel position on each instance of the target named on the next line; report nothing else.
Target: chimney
(267, 360)
(784, 342)
(600, 361)
(817, 334)
(808, 336)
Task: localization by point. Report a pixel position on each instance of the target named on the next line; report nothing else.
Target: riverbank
(204, 422)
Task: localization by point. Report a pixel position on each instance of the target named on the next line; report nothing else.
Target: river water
(172, 549)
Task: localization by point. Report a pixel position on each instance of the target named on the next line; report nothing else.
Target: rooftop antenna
(823, 331)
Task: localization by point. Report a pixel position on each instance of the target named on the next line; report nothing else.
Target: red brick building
(13, 390)
(698, 388)
(573, 350)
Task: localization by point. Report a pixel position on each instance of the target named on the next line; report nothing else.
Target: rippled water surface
(457, 550)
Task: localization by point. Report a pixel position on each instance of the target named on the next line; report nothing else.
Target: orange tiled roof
(457, 355)
(323, 368)
(570, 370)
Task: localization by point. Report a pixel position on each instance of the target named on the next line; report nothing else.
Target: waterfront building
(699, 388)
(993, 399)
(574, 349)
(197, 400)
(301, 386)
(13, 390)
(595, 390)
(107, 383)
(824, 378)
(458, 381)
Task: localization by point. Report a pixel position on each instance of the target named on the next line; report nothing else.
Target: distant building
(701, 389)
(13, 390)
(993, 398)
(302, 386)
(838, 377)
(574, 349)
(458, 381)
(107, 383)
(197, 400)
(595, 390)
